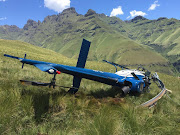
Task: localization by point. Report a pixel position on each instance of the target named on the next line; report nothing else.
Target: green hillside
(131, 42)
(95, 109)
(64, 32)
(163, 34)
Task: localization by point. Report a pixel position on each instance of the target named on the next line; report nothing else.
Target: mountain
(160, 34)
(112, 39)
(163, 35)
(9, 32)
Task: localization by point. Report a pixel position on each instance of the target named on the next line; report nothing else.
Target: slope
(97, 109)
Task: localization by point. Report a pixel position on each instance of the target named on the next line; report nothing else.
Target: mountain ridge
(112, 39)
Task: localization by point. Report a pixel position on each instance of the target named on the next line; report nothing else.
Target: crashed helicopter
(128, 80)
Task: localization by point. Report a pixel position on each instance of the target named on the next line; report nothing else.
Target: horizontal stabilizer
(45, 68)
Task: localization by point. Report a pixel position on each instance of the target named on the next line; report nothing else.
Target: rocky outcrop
(161, 18)
(90, 12)
(30, 24)
(137, 19)
(69, 11)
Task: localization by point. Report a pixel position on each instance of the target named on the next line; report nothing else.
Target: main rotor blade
(114, 64)
(34, 83)
(65, 86)
(161, 85)
(25, 82)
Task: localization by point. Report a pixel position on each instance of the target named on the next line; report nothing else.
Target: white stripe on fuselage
(127, 72)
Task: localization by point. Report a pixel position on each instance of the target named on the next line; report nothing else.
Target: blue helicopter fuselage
(125, 78)
(114, 79)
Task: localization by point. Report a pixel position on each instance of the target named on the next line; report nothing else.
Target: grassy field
(96, 109)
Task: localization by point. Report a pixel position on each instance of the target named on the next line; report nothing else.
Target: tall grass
(95, 109)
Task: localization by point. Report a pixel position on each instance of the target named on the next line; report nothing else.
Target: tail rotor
(23, 59)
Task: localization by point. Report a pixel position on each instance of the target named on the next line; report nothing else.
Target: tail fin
(81, 64)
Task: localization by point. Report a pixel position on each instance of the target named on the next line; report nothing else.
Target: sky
(17, 12)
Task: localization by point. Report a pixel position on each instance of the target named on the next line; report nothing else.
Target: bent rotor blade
(154, 100)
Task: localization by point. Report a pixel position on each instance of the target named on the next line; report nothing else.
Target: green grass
(96, 109)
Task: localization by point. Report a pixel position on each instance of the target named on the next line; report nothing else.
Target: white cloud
(3, 0)
(3, 18)
(57, 5)
(136, 13)
(117, 11)
(154, 5)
